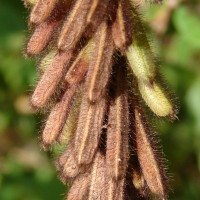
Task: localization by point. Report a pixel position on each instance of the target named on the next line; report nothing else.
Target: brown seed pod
(80, 188)
(41, 37)
(44, 31)
(51, 79)
(117, 150)
(114, 190)
(41, 10)
(117, 145)
(97, 11)
(96, 15)
(147, 157)
(122, 29)
(119, 195)
(100, 65)
(74, 26)
(97, 183)
(77, 71)
(57, 118)
(89, 129)
(67, 164)
(110, 188)
(80, 66)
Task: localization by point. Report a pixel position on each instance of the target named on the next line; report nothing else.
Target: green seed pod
(71, 123)
(139, 53)
(138, 180)
(155, 98)
(46, 60)
(141, 60)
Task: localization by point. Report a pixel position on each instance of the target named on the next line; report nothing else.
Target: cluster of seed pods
(96, 65)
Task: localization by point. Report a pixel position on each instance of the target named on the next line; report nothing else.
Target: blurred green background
(26, 173)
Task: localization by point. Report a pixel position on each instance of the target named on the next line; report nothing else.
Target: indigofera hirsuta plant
(97, 73)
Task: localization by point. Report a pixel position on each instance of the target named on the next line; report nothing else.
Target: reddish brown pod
(45, 30)
(50, 79)
(89, 128)
(101, 64)
(41, 10)
(57, 118)
(148, 157)
(122, 29)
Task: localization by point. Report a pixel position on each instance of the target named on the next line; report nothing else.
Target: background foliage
(26, 173)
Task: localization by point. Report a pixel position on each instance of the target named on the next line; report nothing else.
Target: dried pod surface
(89, 129)
(100, 65)
(120, 190)
(80, 187)
(116, 144)
(57, 118)
(74, 26)
(114, 190)
(97, 11)
(77, 71)
(67, 164)
(80, 65)
(117, 152)
(147, 157)
(41, 37)
(98, 178)
(122, 29)
(43, 33)
(110, 188)
(42, 10)
(50, 79)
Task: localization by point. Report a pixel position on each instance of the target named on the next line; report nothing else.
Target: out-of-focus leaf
(188, 25)
(193, 102)
(4, 121)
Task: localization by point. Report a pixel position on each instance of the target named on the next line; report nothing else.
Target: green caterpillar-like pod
(139, 53)
(69, 128)
(46, 60)
(71, 123)
(155, 98)
(142, 63)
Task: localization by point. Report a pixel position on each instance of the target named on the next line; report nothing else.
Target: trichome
(97, 73)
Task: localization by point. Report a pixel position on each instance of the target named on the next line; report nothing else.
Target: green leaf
(188, 26)
(193, 100)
